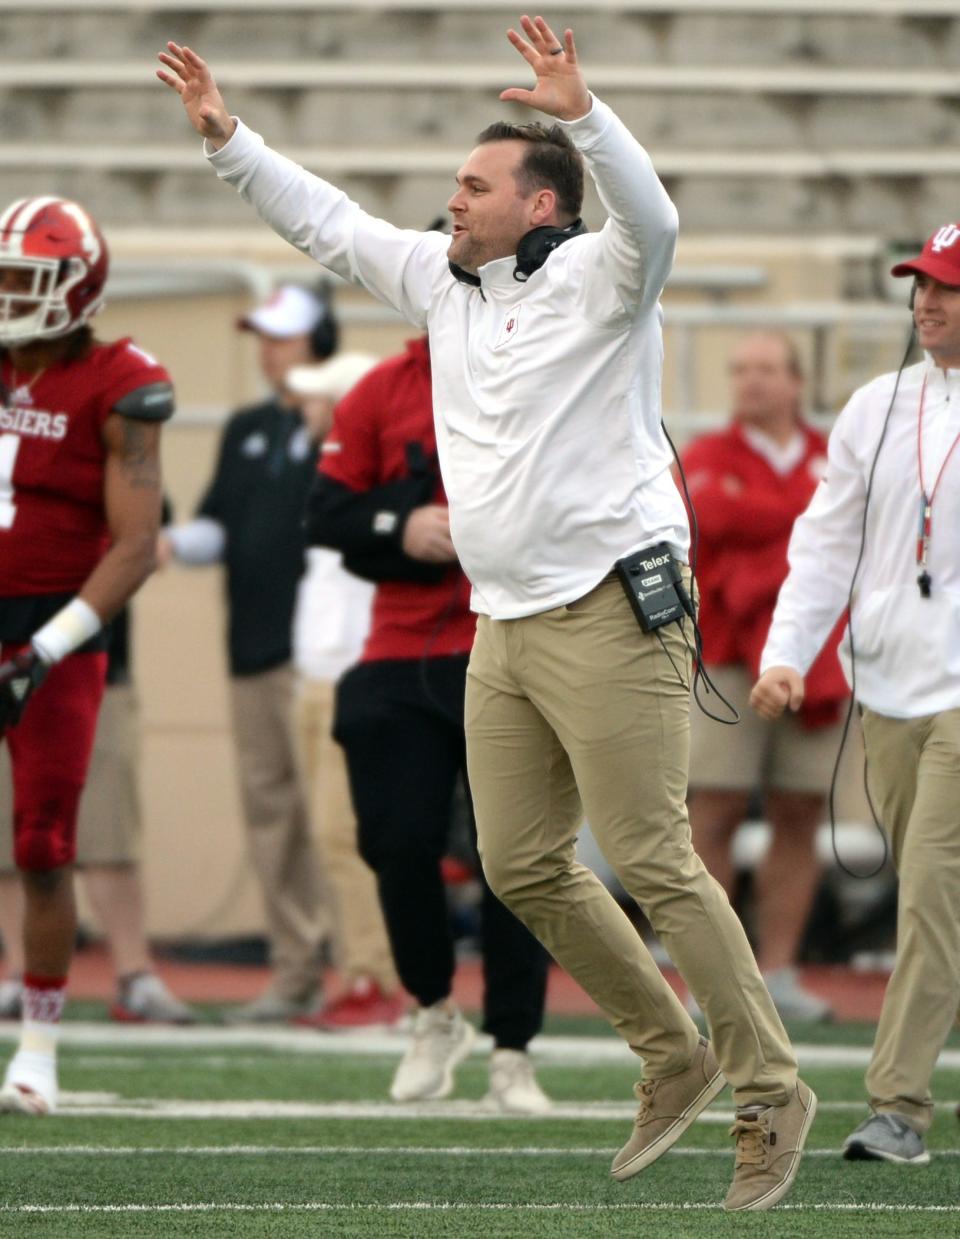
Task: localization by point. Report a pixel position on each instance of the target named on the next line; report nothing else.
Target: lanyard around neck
(924, 579)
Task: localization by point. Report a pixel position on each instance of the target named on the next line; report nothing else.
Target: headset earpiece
(913, 294)
(325, 337)
(536, 246)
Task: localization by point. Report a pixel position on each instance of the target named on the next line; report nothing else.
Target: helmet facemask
(39, 309)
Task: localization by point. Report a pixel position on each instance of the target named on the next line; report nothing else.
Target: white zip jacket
(907, 648)
(546, 393)
(332, 617)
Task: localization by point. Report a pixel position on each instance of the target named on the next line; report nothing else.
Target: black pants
(401, 726)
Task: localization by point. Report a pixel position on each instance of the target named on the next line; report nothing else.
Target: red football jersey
(366, 448)
(53, 526)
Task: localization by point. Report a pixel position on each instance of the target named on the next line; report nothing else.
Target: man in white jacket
(330, 625)
(880, 534)
(546, 350)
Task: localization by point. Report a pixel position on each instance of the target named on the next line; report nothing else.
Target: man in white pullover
(881, 534)
(546, 351)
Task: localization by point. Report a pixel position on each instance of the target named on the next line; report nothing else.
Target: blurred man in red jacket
(748, 484)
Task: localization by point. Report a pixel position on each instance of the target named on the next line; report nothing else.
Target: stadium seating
(806, 115)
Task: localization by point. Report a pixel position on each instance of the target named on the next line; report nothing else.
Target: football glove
(19, 676)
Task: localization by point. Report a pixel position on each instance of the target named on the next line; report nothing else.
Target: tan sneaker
(769, 1145)
(667, 1108)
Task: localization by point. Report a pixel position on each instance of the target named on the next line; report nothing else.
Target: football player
(79, 510)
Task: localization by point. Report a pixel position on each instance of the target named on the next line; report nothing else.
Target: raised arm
(398, 266)
(191, 78)
(627, 263)
(560, 90)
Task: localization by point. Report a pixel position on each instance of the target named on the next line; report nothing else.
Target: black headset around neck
(533, 250)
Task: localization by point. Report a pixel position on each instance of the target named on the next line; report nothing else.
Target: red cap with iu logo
(940, 258)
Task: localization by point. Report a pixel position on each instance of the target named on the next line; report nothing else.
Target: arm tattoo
(138, 460)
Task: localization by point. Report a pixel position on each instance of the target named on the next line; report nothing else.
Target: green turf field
(216, 1133)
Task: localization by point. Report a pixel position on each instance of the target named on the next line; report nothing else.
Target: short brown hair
(550, 160)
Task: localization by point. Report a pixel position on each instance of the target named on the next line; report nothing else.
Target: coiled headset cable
(853, 653)
(696, 650)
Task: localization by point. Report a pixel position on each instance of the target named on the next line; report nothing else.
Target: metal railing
(684, 324)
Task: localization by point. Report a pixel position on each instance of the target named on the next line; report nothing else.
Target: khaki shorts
(109, 827)
(784, 756)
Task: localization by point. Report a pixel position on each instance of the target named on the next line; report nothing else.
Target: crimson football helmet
(53, 267)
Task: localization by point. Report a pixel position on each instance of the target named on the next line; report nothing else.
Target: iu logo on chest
(509, 328)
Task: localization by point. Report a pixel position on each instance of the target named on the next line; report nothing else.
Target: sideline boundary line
(560, 1049)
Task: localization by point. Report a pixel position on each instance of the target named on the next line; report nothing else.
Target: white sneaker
(11, 998)
(513, 1086)
(146, 999)
(792, 1001)
(30, 1085)
(442, 1039)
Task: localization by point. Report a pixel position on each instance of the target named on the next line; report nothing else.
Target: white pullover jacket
(906, 647)
(546, 393)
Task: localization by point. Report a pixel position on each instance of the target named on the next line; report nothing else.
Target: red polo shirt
(745, 512)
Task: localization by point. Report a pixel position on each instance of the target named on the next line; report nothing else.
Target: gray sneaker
(145, 999)
(886, 1138)
(792, 1001)
(274, 1007)
(11, 998)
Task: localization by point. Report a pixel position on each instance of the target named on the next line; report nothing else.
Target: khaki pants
(278, 829)
(359, 932)
(574, 710)
(914, 773)
(783, 756)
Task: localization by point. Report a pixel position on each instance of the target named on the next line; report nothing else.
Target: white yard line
(575, 1050)
(77, 1104)
(426, 1206)
(163, 1055)
(84, 1106)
